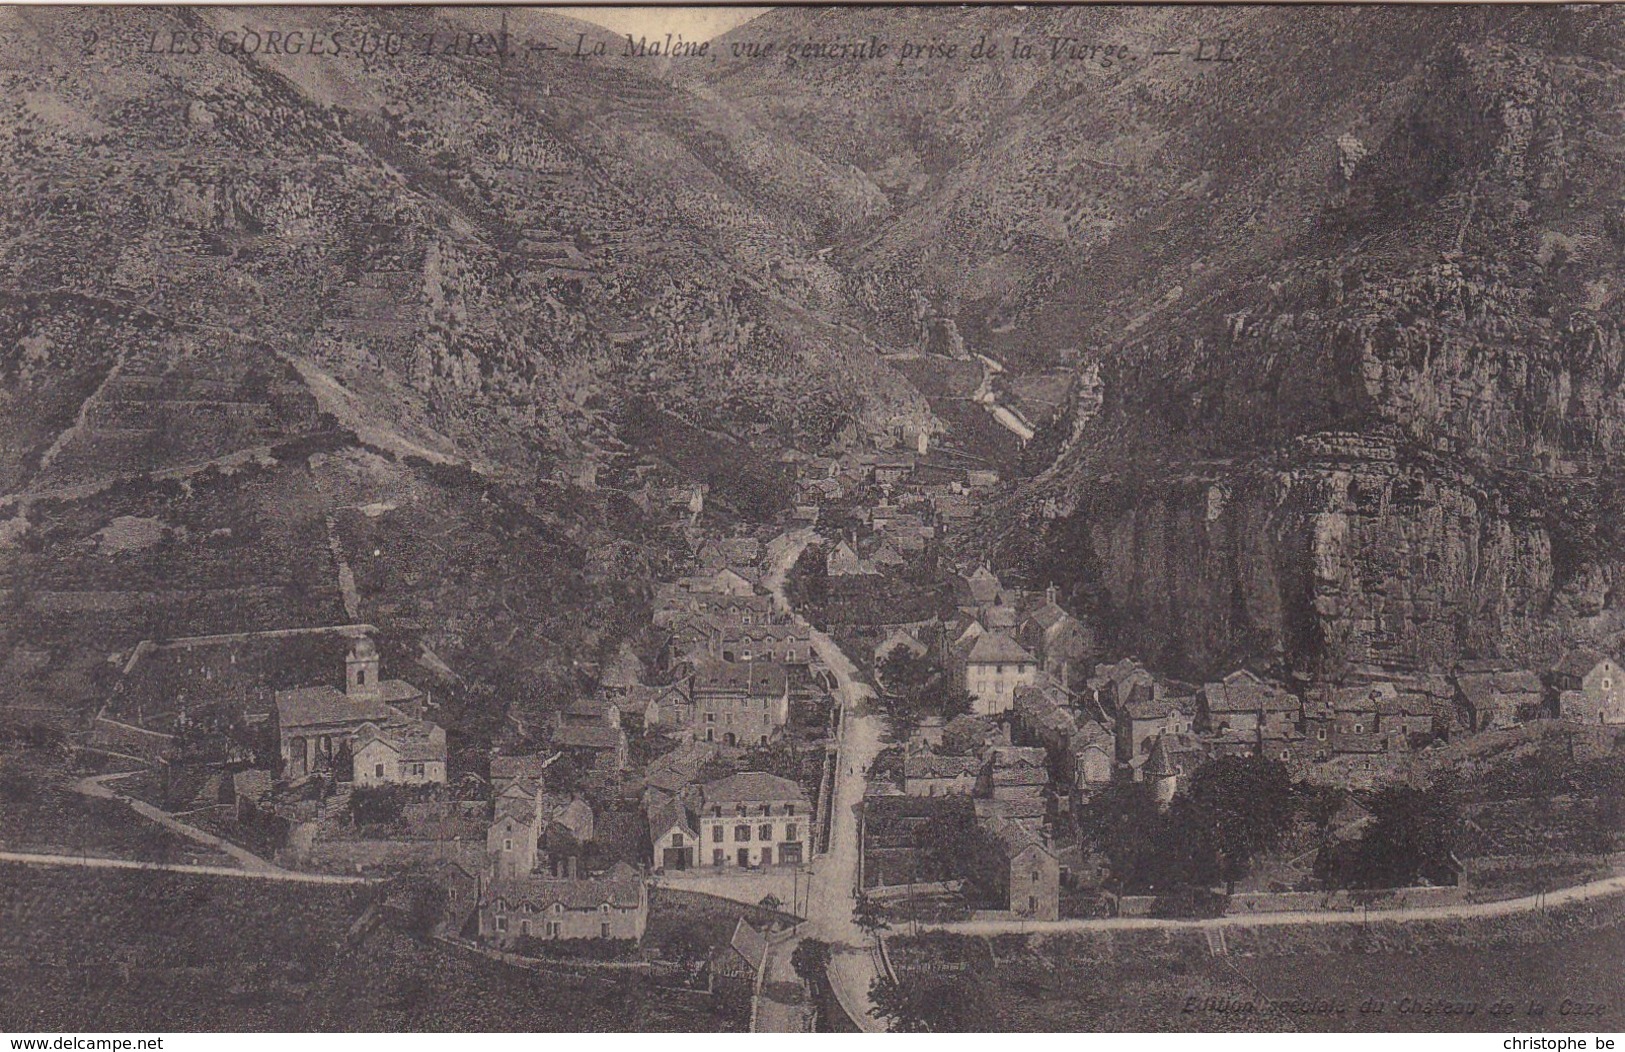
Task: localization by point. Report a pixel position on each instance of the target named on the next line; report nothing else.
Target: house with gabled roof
(740, 702)
(1032, 878)
(755, 819)
(935, 774)
(1590, 688)
(673, 836)
(538, 906)
(1491, 695)
(1244, 702)
(1063, 644)
(410, 754)
(1144, 716)
(990, 669)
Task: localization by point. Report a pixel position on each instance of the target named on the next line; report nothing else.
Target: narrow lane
(853, 966)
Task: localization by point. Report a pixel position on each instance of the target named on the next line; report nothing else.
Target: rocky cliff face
(1400, 442)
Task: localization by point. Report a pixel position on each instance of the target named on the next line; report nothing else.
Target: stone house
(673, 839)
(1174, 758)
(844, 561)
(755, 819)
(595, 747)
(932, 774)
(414, 754)
(991, 668)
(1144, 715)
(1590, 688)
(1491, 698)
(1033, 877)
(665, 708)
(515, 834)
(787, 644)
(532, 905)
(1014, 773)
(1245, 703)
(1114, 684)
(740, 703)
(1063, 644)
(1090, 759)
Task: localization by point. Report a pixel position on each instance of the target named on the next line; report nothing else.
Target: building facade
(755, 819)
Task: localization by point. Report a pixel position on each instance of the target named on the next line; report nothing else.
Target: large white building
(754, 819)
(990, 667)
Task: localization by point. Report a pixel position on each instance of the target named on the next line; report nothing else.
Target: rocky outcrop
(1352, 551)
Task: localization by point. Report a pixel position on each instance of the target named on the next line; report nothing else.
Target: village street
(853, 964)
(96, 786)
(1600, 888)
(782, 1006)
(29, 858)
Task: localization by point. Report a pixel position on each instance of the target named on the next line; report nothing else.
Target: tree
(949, 699)
(866, 915)
(931, 1004)
(1145, 851)
(1411, 837)
(382, 805)
(1245, 805)
(807, 582)
(952, 845)
(811, 961)
(905, 672)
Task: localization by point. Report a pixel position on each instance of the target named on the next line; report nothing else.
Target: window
(554, 929)
(789, 809)
(1320, 733)
(603, 930)
(765, 831)
(741, 832)
(524, 927)
(1359, 728)
(451, 893)
(502, 923)
(716, 834)
(361, 677)
(790, 832)
(507, 844)
(1285, 755)
(603, 907)
(677, 840)
(717, 857)
(710, 717)
(378, 770)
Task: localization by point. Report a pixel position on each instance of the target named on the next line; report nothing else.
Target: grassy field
(1436, 978)
(39, 811)
(114, 951)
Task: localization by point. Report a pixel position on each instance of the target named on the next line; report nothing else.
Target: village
(1006, 769)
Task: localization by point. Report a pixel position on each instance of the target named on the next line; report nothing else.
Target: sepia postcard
(812, 519)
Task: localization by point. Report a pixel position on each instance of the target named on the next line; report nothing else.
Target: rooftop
(753, 787)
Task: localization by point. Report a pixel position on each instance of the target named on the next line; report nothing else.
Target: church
(315, 725)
